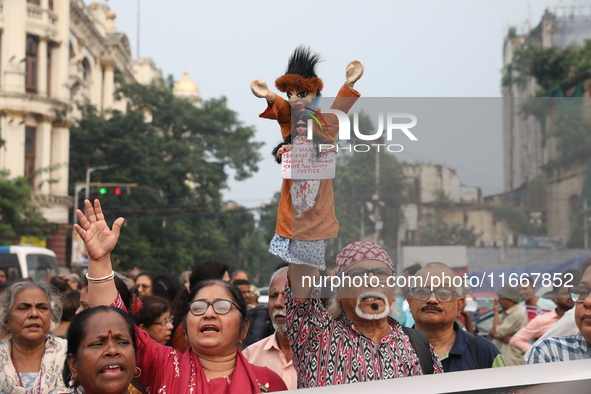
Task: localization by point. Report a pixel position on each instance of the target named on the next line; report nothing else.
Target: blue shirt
(573, 347)
(460, 356)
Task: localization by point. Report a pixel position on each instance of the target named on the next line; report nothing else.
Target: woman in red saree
(215, 325)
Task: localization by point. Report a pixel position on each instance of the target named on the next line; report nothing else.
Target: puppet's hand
(260, 89)
(354, 72)
(283, 149)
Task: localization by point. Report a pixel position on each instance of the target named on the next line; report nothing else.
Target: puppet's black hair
(303, 62)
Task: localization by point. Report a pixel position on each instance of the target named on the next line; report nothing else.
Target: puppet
(303, 240)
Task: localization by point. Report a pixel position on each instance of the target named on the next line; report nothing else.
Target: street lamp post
(89, 171)
(77, 189)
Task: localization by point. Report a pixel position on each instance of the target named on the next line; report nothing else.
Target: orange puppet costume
(303, 240)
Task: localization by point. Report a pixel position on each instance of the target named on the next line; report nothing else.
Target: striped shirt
(573, 347)
(327, 352)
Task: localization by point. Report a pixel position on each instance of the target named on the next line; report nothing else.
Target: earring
(138, 372)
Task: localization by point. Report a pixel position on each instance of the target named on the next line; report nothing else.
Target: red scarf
(243, 379)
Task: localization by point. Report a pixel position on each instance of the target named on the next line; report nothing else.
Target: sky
(410, 49)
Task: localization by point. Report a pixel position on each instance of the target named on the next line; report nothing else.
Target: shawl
(166, 371)
(243, 379)
(50, 375)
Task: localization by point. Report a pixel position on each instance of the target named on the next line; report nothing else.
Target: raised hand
(99, 239)
(260, 89)
(353, 72)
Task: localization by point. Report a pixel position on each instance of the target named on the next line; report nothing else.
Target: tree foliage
(549, 66)
(355, 188)
(436, 231)
(19, 216)
(178, 155)
(516, 218)
(572, 129)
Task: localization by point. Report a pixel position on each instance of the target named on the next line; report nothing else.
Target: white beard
(372, 316)
(281, 328)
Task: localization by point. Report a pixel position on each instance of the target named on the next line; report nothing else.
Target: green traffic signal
(103, 190)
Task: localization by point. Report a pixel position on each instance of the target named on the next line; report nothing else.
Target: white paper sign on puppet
(303, 162)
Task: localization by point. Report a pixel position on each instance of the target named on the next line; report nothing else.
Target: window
(31, 64)
(42, 267)
(85, 69)
(9, 261)
(30, 155)
(51, 5)
(38, 2)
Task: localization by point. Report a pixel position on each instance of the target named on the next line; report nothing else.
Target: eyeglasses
(143, 286)
(579, 293)
(221, 306)
(165, 321)
(423, 294)
(381, 272)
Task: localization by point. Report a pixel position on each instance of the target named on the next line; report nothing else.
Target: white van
(26, 261)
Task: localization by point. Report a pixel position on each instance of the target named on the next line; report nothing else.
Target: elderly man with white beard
(274, 351)
(355, 340)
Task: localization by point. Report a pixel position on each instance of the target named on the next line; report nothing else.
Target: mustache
(278, 313)
(374, 294)
(431, 308)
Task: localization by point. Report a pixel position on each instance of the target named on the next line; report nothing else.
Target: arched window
(86, 71)
(31, 64)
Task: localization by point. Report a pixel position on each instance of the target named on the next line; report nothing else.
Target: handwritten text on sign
(302, 162)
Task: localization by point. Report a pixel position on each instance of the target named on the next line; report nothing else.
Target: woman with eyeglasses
(144, 282)
(154, 318)
(215, 324)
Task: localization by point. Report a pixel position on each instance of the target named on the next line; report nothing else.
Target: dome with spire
(185, 87)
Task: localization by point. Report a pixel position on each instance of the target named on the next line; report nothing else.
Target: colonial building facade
(55, 54)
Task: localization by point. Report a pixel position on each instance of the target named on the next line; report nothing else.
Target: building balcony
(41, 21)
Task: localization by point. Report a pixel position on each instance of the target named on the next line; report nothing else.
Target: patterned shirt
(573, 347)
(327, 352)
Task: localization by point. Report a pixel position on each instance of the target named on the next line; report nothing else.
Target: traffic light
(110, 190)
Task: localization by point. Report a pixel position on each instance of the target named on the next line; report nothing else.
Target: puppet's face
(299, 100)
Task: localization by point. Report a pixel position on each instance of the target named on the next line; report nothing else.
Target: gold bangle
(101, 280)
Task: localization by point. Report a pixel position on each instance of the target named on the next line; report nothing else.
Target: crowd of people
(144, 332)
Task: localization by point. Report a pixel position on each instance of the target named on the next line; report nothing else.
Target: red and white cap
(361, 251)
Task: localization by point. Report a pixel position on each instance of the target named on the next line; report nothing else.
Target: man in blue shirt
(435, 304)
(573, 347)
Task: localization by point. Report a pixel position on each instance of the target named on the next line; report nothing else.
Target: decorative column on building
(108, 84)
(43, 154)
(13, 133)
(14, 36)
(60, 151)
(42, 67)
(60, 53)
